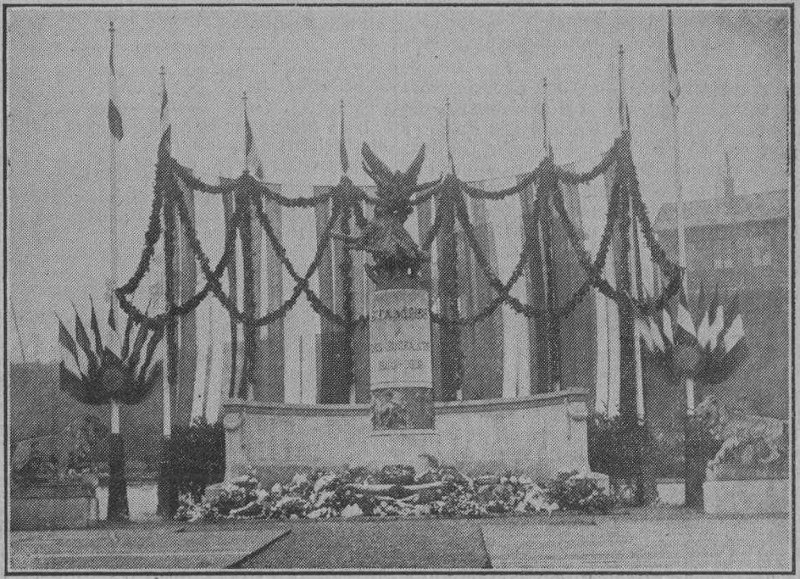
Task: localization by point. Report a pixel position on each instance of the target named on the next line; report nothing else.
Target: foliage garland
(347, 292)
(245, 182)
(225, 299)
(477, 193)
(245, 201)
(173, 310)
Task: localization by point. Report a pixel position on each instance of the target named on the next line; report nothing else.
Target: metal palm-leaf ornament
(708, 346)
(93, 373)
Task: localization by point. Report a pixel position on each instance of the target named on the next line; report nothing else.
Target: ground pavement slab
(382, 544)
(615, 543)
(139, 547)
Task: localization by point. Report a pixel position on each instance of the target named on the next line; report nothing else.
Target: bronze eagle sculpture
(395, 253)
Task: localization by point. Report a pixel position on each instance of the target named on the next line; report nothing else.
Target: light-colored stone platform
(747, 497)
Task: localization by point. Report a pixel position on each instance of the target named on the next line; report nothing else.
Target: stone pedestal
(407, 447)
(747, 489)
(747, 497)
(401, 379)
(64, 505)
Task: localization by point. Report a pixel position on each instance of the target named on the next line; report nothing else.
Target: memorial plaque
(400, 339)
(400, 360)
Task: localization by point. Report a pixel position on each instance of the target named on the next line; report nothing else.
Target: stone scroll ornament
(400, 352)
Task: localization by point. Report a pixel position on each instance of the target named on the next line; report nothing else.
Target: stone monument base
(746, 497)
(409, 447)
(63, 505)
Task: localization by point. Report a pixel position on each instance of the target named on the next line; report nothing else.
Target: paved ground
(661, 539)
(139, 546)
(389, 544)
(618, 543)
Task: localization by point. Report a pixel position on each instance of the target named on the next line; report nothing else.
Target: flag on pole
(656, 333)
(674, 85)
(112, 323)
(548, 146)
(685, 331)
(624, 114)
(252, 158)
(66, 340)
(717, 320)
(731, 349)
(114, 116)
(342, 146)
(700, 310)
(166, 124)
(98, 341)
(735, 331)
(81, 336)
(666, 324)
(643, 329)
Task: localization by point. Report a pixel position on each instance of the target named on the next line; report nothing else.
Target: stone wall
(538, 435)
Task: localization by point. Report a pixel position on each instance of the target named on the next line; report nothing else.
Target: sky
(394, 68)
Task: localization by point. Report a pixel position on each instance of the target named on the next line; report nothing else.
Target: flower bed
(396, 491)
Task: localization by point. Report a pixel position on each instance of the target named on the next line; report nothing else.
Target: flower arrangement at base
(439, 491)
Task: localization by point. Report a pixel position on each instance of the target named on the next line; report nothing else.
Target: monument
(401, 378)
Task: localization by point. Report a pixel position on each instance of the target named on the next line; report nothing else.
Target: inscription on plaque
(400, 339)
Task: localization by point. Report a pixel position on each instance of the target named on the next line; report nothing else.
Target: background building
(740, 242)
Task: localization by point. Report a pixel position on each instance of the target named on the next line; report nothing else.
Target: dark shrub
(197, 456)
(615, 446)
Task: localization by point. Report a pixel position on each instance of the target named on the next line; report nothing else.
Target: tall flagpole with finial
(342, 146)
(545, 232)
(115, 135)
(674, 90)
(447, 136)
(634, 257)
(167, 490)
(115, 130)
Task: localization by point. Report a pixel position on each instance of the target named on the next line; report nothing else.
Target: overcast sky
(393, 67)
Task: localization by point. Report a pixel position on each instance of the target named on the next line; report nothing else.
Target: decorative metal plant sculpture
(102, 376)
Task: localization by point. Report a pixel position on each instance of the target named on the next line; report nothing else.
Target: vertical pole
(681, 233)
(301, 369)
(112, 215)
(117, 488)
(19, 334)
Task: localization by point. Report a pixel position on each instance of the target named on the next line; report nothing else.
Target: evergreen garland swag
(345, 200)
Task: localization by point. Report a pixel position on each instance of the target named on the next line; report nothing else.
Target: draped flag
(674, 85)
(166, 125)
(114, 116)
(252, 158)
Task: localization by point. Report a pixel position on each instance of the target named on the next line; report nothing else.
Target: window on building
(760, 247)
(724, 250)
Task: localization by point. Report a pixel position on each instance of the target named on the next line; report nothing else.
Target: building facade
(741, 244)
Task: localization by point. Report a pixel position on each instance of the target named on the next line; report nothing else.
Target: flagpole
(634, 257)
(112, 205)
(681, 232)
(19, 334)
(112, 226)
